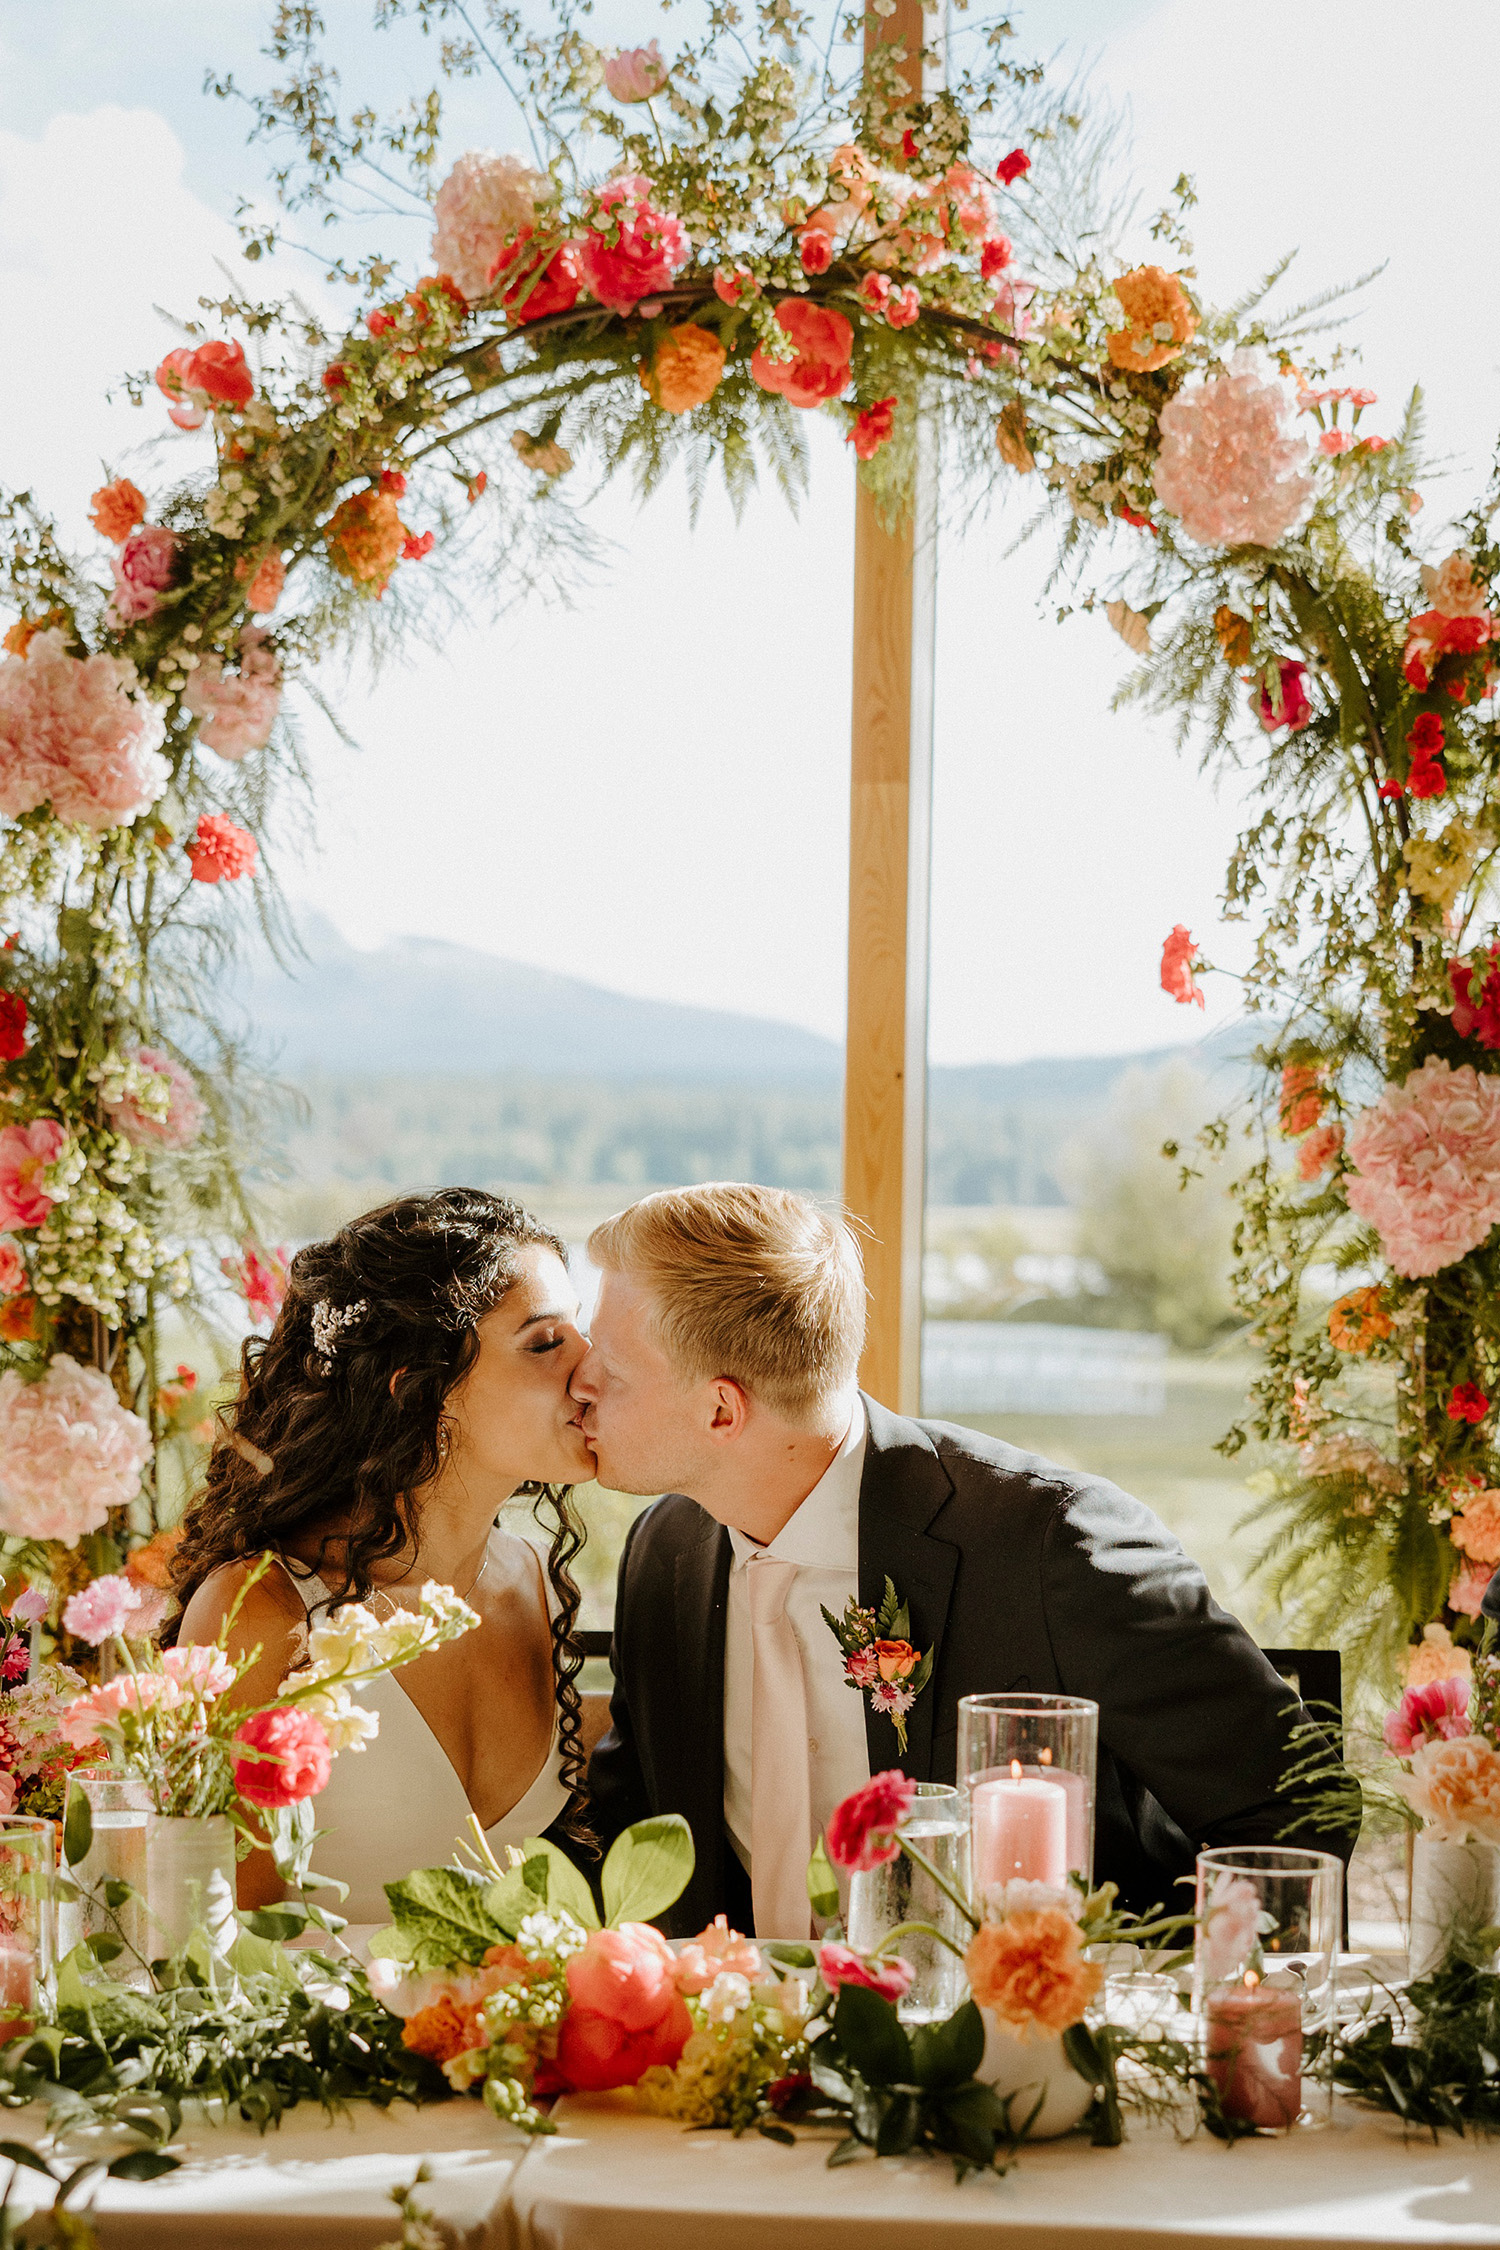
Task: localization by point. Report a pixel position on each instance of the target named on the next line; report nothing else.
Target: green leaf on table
(948, 2054)
(869, 2033)
(274, 1922)
(443, 1913)
(648, 1869)
(143, 2164)
(16, 2152)
(822, 1884)
(849, 2151)
(567, 1887)
(898, 2127)
(78, 1827)
(968, 2120)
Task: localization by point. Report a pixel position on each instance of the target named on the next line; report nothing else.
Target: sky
(648, 787)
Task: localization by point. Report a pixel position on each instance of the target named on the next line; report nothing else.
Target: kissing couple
(428, 1366)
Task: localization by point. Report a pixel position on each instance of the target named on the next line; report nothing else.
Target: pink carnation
(647, 248)
(98, 1611)
(69, 1452)
(25, 1153)
(73, 730)
(137, 1692)
(1427, 1156)
(862, 1829)
(1438, 1712)
(238, 708)
(485, 203)
(1233, 463)
(221, 851)
(184, 1119)
(840, 1964)
(199, 1670)
(143, 571)
(1454, 1784)
(1467, 1592)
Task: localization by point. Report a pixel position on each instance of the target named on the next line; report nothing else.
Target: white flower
(347, 1724)
(450, 1615)
(543, 1935)
(1021, 1897)
(727, 1997)
(342, 1643)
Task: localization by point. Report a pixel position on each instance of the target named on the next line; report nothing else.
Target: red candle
(17, 1988)
(1255, 2052)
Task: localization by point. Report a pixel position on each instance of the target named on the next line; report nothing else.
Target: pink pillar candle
(1020, 1831)
(1254, 2053)
(17, 1988)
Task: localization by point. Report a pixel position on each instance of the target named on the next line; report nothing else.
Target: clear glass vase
(885, 1897)
(1455, 1893)
(119, 1810)
(189, 1882)
(28, 1909)
(1265, 1974)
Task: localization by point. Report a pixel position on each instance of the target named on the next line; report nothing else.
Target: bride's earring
(444, 1444)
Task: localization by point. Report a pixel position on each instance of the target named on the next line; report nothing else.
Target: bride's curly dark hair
(338, 1442)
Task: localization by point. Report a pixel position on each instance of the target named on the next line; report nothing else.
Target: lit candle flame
(1015, 1769)
(1251, 1980)
(1044, 1757)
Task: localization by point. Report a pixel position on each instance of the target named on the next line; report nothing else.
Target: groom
(721, 1371)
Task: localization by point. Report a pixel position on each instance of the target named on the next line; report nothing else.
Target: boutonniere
(879, 1660)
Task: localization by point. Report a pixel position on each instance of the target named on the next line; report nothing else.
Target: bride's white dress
(398, 1803)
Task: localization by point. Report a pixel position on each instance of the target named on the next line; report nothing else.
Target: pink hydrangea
(630, 250)
(238, 709)
(1234, 466)
(483, 205)
(25, 1153)
(69, 1452)
(184, 1119)
(1438, 1712)
(1427, 1160)
(74, 730)
(143, 571)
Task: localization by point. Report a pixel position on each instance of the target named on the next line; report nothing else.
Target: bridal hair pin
(328, 1324)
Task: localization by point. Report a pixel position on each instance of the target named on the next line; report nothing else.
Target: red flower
(294, 1759)
(861, 1832)
(535, 289)
(817, 250)
(626, 2013)
(12, 1027)
(1289, 706)
(476, 485)
(840, 1965)
(909, 144)
(414, 548)
(221, 851)
(1477, 1018)
(1013, 167)
(380, 323)
(1303, 1098)
(1468, 1403)
(995, 257)
(629, 250)
(821, 342)
(1390, 790)
(336, 376)
(1179, 967)
(1129, 515)
(904, 307)
(1426, 736)
(391, 480)
(220, 370)
(872, 427)
(171, 382)
(1426, 778)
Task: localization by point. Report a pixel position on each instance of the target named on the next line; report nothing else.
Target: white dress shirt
(822, 1538)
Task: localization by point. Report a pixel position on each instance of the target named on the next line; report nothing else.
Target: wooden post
(890, 826)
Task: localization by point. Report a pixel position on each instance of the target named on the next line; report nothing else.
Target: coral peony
(1455, 1785)
(1433, 635)
(1427, 1159)
(1013, 167)
(1477, 1018)
(364, 536)
(182, 1121)
(994, 256)
(1466, 1593)
(1475, 1528)
(873, 427)
(1318, 1151)
(816, 250)
(219, 370)
(819, 366)
(1180, 965)
(74, 731)
(221, 852)
(1029, 1971)
(627, 2014)
(731, 288)
(629, 249)
(1286, 704)
(535, 285)
(636, 73)
(116, 509)
(1467, 1403)
(1452, 588)
(716, 1951)
(686, 370)
(238, 708)
(142, 571)
(69, 1452)
(1438, 1712)
(484, 204)
(862, 1829)
(286, 1758)
(1160, 319)
(1233, 463)
(1435, 1657)
(26, 1153)
(839, 1965)
(1358, 1322)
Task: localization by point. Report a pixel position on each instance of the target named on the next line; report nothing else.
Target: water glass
(119, 1808)
(28, 1871)
(1265, 1958)
(881, 1900)
(1029, 1763)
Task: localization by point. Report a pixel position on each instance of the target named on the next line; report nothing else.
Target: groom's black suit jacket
(1019, 1575)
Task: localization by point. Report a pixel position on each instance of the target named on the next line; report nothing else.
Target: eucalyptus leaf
(648, 1869)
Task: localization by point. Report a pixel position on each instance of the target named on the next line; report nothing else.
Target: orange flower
(117, 508)
(1234, 635)
(151, 1564)
(266, 581)
(1302, 1098)
(1152, 300)
(1475, 1529)
(21, 635)
(1029, 1969)
(686, 370)
(443, 2031)
(365, 535)
(1010, 439)
(896, 1660)
(1358, 1322)
(17, 1319)
(1436, 1656)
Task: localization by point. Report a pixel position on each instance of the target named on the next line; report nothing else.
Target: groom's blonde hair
(750, 1282)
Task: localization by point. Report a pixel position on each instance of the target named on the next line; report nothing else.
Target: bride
(416, 1377)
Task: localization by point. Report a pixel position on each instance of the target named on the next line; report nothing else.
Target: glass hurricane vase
(190, 1866)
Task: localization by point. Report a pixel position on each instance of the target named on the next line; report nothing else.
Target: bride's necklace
(392, 1605)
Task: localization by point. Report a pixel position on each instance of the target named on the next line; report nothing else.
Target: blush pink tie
(780, 1790)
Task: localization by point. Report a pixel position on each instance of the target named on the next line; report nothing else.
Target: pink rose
(636, 73)
(31, 1606)
(1438, 1712)
(626, 2015)
(629, 250)
(287, 1757)
(840, 1965)
(143, 570)
(1467, 1592)
(25, 1153)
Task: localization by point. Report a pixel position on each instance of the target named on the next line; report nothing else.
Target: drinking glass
(885, 1897)
(28, 1871)
(1028, 1763)
(119, 1808)
(1265, 1958)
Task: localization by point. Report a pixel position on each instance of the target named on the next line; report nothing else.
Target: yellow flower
(1161, 319)
(686, 370)
(1438, 867)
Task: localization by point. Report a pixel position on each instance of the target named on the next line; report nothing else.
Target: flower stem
(919, 1859)
(923, 1929)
